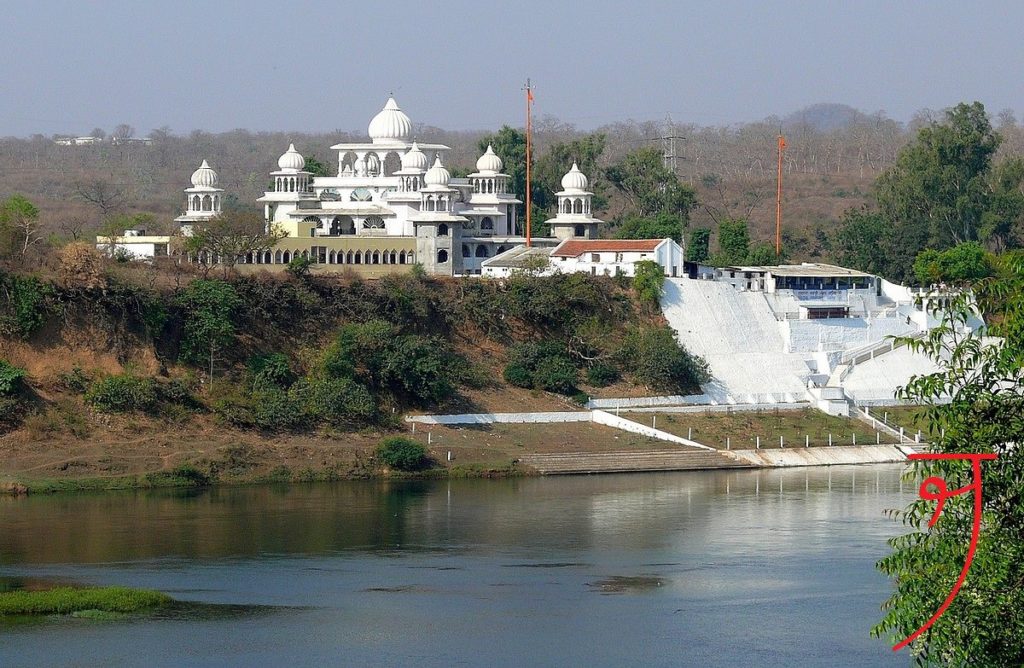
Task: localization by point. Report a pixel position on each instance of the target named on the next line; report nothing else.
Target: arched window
(579, 206)
(465, 251)
(442, 256)
(216, 202)
(394, 257)
(373, 223)
(566, 206)
(359, 257)
(342, 225)
(277, 257)
(248, 259)
(481, 251)
(287, 257)
(375, 258)
(207, 203)
(442, 230)
(430, 203)
(268, 257)
(332, 258)
(195, 203)
(305, 255)
(487, 223)
(349, 258)
(579, 231)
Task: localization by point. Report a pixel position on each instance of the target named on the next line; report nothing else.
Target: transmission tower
(668, 145)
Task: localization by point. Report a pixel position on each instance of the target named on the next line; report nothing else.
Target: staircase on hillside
(629, 461)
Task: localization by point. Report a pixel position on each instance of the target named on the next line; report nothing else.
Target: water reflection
(723, 568)
(437, 515)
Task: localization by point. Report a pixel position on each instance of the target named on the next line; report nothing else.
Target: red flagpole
(529, 102)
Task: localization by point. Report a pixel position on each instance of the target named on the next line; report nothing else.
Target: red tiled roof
(577, 247)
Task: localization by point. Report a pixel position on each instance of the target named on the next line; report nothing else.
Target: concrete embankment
(825, 456)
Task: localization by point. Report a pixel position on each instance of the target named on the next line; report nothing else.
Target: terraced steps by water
(628, 460)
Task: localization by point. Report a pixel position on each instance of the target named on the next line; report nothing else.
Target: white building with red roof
(597, 257)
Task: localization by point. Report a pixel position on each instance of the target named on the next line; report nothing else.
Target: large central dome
(390, 125)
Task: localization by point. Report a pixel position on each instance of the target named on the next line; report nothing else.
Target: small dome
(574, 179)
(204, 176)
(437, 175)
(390, 125)
(489, 162)
(291, 160)
(414, 159)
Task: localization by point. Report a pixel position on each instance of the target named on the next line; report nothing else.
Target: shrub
(299, 266)
(11, 378)
(76, 380)
(341, 402)
(555, 373)
(11, 411)
(657, 360)
(27, 301)
(402, 453)
(274, 409)
(543, 366)
(177, 391)
(121, 393)
(271, 370)
(519, 375)
(602, 374)
(81, 266)
(647, 281)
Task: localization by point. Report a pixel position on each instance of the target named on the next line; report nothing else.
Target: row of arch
(325, 256)
(489, 186)
(482, 250)
(571, 205)
(291, 184)
(204, 203)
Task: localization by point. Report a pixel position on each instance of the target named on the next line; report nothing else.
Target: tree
(863, 242)
(209, 308)
(964, 263)
(697, 250)
(315, 167)
(657, 360)
(659, 226)
(647, 281)
(973, 405)
(649, 186)
(762, 254)
(21, 218)
(938, 189)
(547, 174)
(106, 196)
(122, 133)
(733, 242)
(230, 237)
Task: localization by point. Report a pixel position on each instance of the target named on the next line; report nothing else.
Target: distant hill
(825, 116)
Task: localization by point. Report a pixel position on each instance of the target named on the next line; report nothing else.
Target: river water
(747, 568)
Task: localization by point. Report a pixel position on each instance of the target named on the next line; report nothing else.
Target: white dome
(414, 159)
(390, 125)
(574, 179)
(291, 160)
(437, 175)
(489, 162)
(204, 176)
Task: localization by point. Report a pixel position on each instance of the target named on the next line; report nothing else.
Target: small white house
(597, 257)
(135, 245)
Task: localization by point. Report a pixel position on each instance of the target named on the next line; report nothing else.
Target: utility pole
(778, 201)
(529, 132)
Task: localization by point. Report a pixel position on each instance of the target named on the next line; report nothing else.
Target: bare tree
(108, 197)
(230, 237)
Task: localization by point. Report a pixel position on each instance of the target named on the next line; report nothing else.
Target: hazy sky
(315, 66)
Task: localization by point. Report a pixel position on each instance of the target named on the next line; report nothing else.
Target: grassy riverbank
(71, 600)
